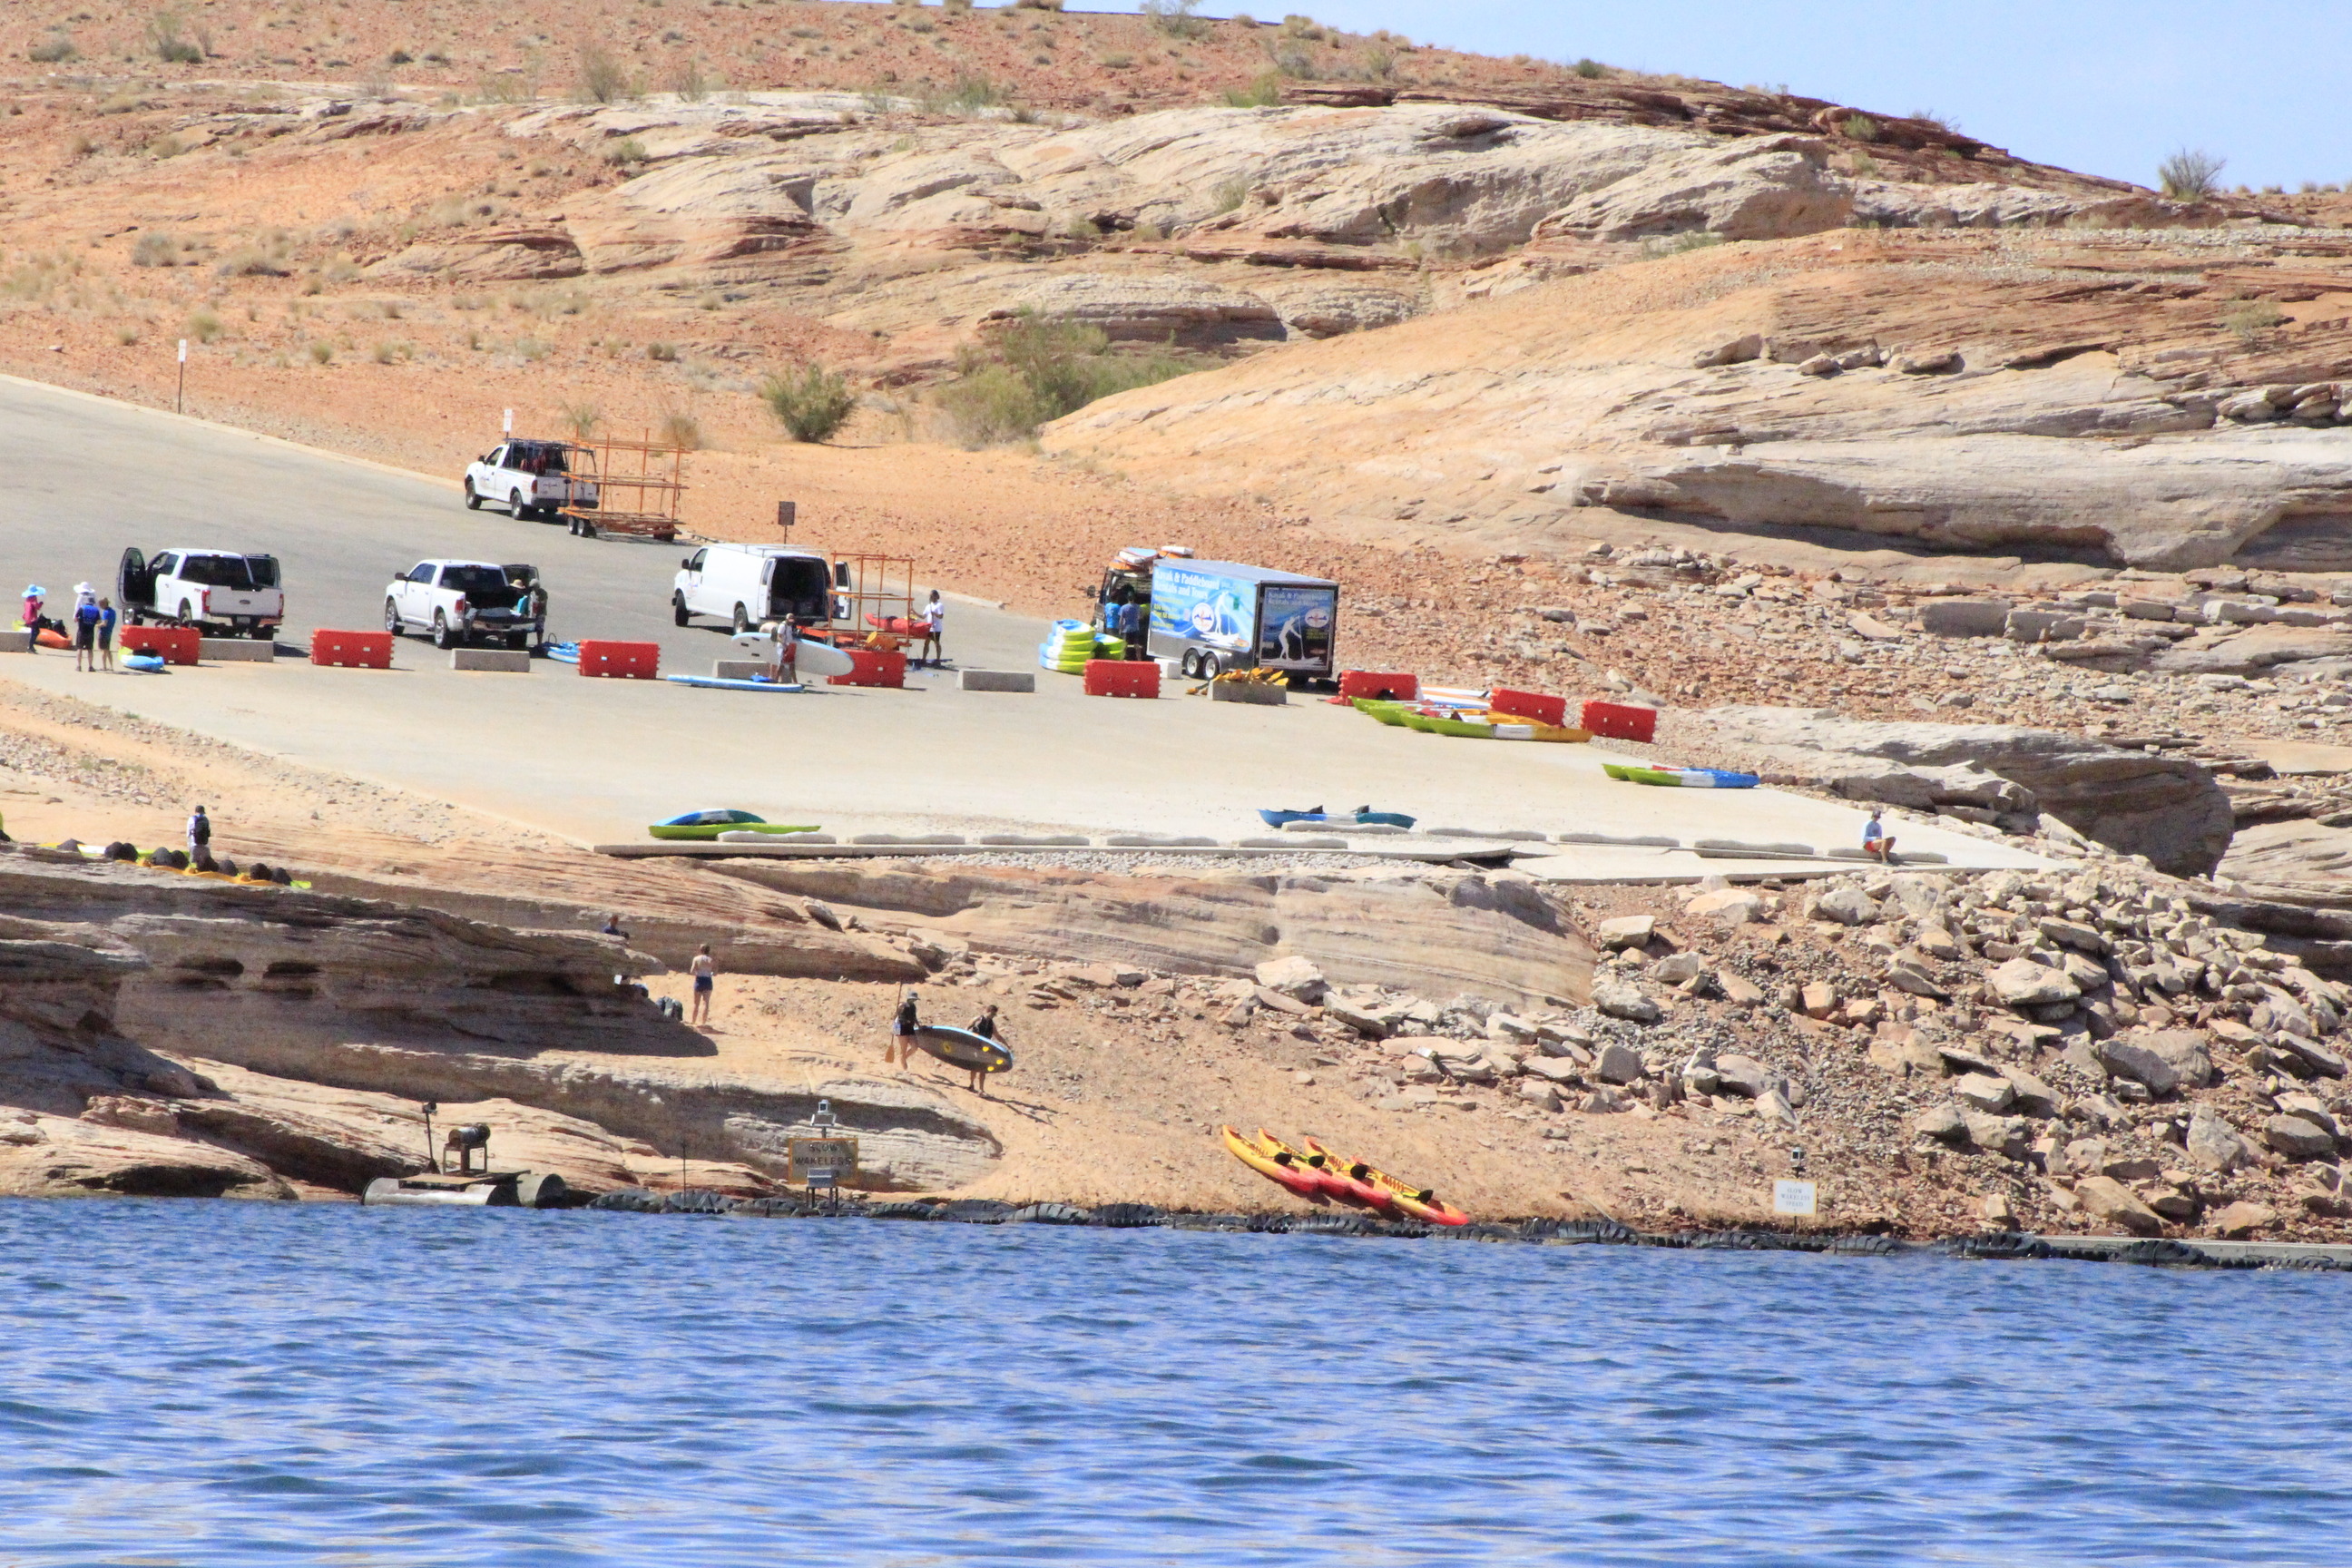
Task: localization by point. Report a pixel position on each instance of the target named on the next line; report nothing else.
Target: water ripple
(233, 1384)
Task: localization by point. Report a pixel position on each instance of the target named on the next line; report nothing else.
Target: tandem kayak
(1281, 1169)
(1681, 778)
(1422, 1203)
(711, 824)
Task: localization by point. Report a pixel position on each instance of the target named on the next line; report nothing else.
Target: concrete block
(491, 660)
(1251, 691)
(237, 650)
(15, 642)
(995, 680)
(738, 668)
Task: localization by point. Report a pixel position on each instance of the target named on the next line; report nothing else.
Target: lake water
(231, 1384)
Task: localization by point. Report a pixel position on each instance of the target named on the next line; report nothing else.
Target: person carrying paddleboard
(903, 1024)
(985, 1028)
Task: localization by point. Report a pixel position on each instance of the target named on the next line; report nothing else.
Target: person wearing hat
(1877, 842)
(34, 597)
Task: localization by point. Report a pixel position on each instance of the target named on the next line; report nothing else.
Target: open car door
(131, 582)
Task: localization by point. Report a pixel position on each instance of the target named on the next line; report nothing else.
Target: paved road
(596, 760)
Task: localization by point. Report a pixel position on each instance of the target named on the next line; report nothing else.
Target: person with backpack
(85, 635)
(200, 839)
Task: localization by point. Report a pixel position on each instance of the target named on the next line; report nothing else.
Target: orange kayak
(1283, 1168)
(1337, 1182)
(1422, 1203)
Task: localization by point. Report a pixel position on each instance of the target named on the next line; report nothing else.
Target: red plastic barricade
(620, 660)
(173, 645)
(1384, 686)
(1122, 678)
(871, 666)
(353, 650)
(1622, 721)
(1535, 705)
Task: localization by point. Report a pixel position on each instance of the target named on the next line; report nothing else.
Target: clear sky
(2108, 87)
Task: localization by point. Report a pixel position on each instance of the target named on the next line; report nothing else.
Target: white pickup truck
(468, 601)
(530, 479)
(220, 591)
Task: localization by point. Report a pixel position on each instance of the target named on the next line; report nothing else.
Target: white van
(751, 586)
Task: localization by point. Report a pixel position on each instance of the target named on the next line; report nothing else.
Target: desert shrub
(627, 149)
(581, 419)
(1682, 244)
(1939, 120)
(165, 146)
(1036, 4)
(1302, 26)
(1376, 63)
(2190, 174)
(1860, 127)
(1231, 194)
(812, 404)
(204, 326)
(1117, 60)
(390, 352)
(1036, 371)
(2250, 318)
(322, 352)
(1589, 68)
(56, 47)
(968, 94)
(1865, 167)
(1175, 17)
(250, 263)
(165, 39)
(682, 429)
(501, 87)
(156, 248)
(1293, 60)
(690, 81)
(1263, 93)
(666, 353)
(126, 336)
(603, 78)
(400, 57)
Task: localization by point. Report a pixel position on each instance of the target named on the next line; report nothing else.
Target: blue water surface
(227, 1384)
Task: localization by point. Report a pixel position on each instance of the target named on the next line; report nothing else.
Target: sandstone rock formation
(2167, 808)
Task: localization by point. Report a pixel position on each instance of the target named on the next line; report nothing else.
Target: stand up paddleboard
(718, 683)
(962, 1048)
(810, 658)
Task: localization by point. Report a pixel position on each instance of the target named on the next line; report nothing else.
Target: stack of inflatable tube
(1068, 646)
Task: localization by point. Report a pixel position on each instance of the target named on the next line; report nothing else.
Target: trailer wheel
(1189, 665)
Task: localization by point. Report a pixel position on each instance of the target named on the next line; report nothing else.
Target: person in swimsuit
(1875, 841)
(705, 972)
(985, 1028)
(903, 1024)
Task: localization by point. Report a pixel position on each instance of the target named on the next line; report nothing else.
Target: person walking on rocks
(1877, 842)
(985, 1028)
(200, 837)
(903, 1024)
(705, 972)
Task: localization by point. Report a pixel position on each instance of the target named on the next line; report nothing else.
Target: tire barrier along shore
(1995, 1247)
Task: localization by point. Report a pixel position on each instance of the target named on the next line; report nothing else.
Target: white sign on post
(508, 427)
(1795, 1198)
(183, 351)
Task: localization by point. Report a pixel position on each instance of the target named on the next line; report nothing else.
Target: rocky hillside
(2160, 400)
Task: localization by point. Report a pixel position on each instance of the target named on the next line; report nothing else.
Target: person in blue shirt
(86, 634)
(107, 617)
(1875, 841)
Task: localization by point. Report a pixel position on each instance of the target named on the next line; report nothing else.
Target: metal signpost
(180, 397)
